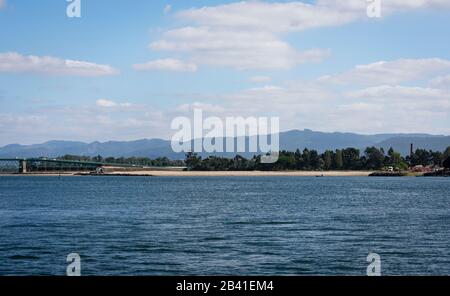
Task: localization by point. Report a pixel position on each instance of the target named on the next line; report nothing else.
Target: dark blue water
(221, 226)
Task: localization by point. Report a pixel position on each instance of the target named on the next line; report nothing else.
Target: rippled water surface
(229, 225)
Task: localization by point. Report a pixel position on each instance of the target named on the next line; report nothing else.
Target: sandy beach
(172, 173)
(249, 174)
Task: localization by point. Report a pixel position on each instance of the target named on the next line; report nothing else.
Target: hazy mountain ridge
(290, 140)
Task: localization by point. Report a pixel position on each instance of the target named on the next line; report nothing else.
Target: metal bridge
(30, 165)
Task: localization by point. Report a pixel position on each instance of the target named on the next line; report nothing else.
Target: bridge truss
(10, 166)
(35, 165)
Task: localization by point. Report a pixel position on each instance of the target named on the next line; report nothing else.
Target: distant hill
(149, 148)
(290, 140)
(402, 144)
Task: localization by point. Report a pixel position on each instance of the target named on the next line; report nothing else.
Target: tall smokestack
(411, 152)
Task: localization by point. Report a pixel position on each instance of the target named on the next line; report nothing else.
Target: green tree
(327, 160)
(338, 160)
(299, 163)
(316, 163)
(351, 159)
(306, 159)
(447, 152)
(396, 160)
(375, 158)
(110, 160)
(437, 157)
(193, 162)
(97, 158)
(286, 161)
(446, 163)
(421, 157)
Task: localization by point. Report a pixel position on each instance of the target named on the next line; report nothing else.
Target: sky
(125, 69)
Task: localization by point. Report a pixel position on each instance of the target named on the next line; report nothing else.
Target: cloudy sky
(125, 69)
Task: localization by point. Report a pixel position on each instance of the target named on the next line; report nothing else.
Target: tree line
(371, 158)
(138, 161)
(310, 160)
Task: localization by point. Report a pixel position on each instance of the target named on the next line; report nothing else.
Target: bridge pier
(23, 166)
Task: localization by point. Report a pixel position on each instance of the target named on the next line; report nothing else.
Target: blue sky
(316, 64)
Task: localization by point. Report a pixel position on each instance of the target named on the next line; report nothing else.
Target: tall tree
(447, 152)
(338, 160)
(375, 158)
(306, 159)
(299, 164)
(447, 163)
(315, 160)
(351, 160)
(437, 157)
(327, 160)
(421, 157)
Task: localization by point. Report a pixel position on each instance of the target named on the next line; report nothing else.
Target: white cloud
(244, 35)
(110, 104)
(299, 104)
(388, 92)
(20, 122)
(390, 72)
(167, 65)
(260, 79)
(238, 49)
(249, 35)
(81, 123)
(188, 108)
(361, 107)
(389, 6)
(105, 103)
(267, 88)
(12, 62)
(268, 17)
(380, 109)
(295, 16)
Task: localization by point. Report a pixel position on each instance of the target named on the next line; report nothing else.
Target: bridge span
(37, 165)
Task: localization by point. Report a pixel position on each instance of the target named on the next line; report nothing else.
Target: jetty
(389, 174)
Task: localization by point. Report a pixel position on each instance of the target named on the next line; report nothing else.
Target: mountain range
(290, 140)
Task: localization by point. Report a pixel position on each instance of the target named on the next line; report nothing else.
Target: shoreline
(161, 173)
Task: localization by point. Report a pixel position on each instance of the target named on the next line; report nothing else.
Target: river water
(224, 225)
